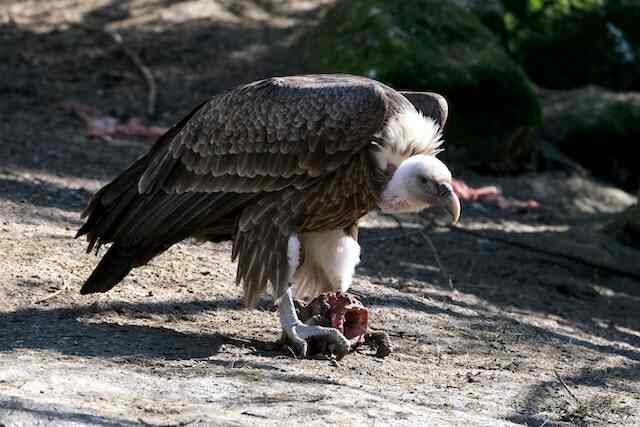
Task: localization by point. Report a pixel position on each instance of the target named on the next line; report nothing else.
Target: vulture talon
(296, 333)
(329, 338)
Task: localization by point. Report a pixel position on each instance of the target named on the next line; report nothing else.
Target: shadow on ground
(72, 330)
(82, 331)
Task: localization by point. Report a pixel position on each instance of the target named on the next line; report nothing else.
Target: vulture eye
(444, 189)
(424, 180)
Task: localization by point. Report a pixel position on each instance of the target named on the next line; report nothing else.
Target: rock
(633, 223)
(438, 46)
(597, 128)
(625, 227)
(566, 44)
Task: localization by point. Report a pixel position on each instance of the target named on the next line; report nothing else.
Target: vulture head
(419, 182)
(408, 146)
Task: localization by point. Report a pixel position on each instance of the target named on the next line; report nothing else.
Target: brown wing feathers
(279, 156)
(430, 104)
(283, 133)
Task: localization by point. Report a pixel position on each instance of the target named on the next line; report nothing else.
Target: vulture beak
(450, 201)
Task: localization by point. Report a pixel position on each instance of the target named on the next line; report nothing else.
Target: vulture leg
(319, 263)
(298, 332)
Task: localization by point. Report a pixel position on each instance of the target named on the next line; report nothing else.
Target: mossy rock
(625, 227)
(633, 223)
(599, 129)
(567, 44)
(436, 46)
(631, 229)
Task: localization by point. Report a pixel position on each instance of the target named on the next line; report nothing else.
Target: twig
(293, 353)
(180, 424)
(582, 411)
(394, 236)
(55, 294)
(251, 414)
(398, 221)
(443, 270)
(144, 70)
(564, 385)
(424, 235)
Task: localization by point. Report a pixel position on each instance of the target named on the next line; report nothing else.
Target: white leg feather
(330, 259)
(293, 255)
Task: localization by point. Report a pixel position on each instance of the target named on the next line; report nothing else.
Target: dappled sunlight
(156, 14)
(578, 195)
(515, 226)
(493, 284)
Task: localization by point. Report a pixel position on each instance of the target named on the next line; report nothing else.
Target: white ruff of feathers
(407, 134)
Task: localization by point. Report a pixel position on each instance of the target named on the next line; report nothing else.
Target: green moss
(566, 44)
(434, 45)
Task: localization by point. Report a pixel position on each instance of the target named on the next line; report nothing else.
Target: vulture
(284, 168)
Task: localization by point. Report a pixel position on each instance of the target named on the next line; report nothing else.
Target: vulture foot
(299, 332)
(333, 324)
(302, 337)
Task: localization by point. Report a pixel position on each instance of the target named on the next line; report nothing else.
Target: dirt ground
(519, 317)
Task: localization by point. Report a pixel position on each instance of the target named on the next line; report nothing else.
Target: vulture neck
(396, 197)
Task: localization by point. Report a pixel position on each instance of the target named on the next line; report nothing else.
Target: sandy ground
(527, 317)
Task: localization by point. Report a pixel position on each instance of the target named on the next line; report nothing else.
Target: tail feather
(142, 226)
(113, 267)
(107, 205)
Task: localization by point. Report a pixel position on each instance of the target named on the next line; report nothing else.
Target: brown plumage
(253, 165)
